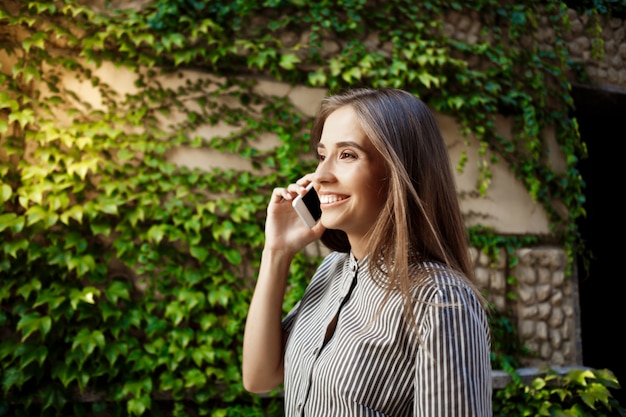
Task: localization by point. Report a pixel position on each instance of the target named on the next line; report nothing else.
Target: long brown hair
(421, 220)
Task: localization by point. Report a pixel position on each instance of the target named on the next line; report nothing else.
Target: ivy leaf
(233, 256)
(202, 354)
(5, 291)
(86, 295)
(156, 233)
(198, 252)
(335, 66)
(114, 350)
(25, 290)
(169, 382)
(207, 321)
(31, 323)
(43, 7)
(156, 347)
(181, 57)
(595, 393)
(5, 193)
(455, 102)
(317, 78)
(352, 74)
(108, 205)
(538, 383)
(220, 296)
(194, 378)
(6, 102)
(12, 377)
(83, 167)
(59, 201)
(191, 298)
(580, 376)
(257, 60)
(82, 264)
(75, 212)
(223, 230)
(89, 293)
(193, 224)
(175, 311)
(288, 61)
(100, 228)
(11, 248)
(11, 220)
(143, 37)
(427, 79)
(139, 405)
(51, 396)
(173, 39)
(192, 276)
(398, 67)
(53, 297)
(37, 214)
(136, 215)
(109, 311)
(38, 40)
(87, 341)
(23, 117)
(30, 352)
(117, 290)
(68, 374)
(125, 154)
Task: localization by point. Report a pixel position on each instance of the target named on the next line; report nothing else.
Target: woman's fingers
(280, 194)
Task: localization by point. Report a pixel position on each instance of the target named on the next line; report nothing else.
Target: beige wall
(507, 206)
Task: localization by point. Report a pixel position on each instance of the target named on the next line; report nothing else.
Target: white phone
(308, 206)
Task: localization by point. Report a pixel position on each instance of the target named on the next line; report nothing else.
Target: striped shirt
(375, 364)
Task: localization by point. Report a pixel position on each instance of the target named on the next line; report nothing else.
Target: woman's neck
(358, 246)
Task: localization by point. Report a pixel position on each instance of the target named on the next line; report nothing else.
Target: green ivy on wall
(125, 277)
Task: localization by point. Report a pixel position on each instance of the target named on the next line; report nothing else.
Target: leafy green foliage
(506, 347)
(578, 393)
(126, 277)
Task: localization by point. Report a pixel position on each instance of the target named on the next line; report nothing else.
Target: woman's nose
(323, 172)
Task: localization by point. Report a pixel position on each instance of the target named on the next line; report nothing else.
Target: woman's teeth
(327, 199)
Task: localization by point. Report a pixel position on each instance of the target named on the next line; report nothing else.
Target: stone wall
(545, 309)
(608, 73)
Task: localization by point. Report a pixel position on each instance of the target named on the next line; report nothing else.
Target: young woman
(391, 323)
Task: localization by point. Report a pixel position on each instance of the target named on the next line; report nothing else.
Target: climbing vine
(126, 276)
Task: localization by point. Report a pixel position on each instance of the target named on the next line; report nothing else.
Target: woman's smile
(329, 199)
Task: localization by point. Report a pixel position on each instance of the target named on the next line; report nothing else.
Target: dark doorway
(601, 115)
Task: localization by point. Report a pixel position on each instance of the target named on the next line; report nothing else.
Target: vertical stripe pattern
(377, 365)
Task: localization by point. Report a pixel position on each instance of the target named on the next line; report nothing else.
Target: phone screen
(308, 206)
(312, 203)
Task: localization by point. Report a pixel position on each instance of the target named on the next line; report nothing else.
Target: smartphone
(308, 206)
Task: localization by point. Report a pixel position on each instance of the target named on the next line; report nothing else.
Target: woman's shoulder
(335, 256)
(333, 263)
(334, 259)
(439, 283)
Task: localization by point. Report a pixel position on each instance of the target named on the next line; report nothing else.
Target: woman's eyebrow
(343, 144)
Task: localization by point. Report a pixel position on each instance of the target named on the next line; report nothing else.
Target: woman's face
(351, 176)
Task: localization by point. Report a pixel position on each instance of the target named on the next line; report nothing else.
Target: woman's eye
(321, 157)
(347, 155)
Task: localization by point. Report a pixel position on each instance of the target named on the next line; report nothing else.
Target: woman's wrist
(281, 255)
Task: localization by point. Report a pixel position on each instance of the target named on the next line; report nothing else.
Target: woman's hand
(284, 230)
